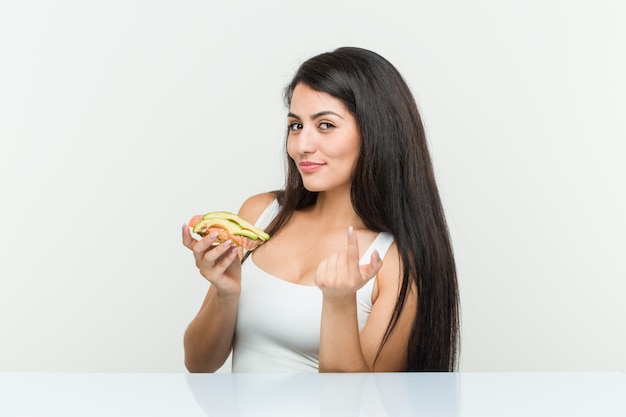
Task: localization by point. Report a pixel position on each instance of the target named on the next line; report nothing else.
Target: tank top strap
(382, 243)
(268, 215)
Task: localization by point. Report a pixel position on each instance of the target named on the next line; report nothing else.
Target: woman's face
(323, 139)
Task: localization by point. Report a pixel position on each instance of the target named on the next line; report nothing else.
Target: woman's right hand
(216, 263)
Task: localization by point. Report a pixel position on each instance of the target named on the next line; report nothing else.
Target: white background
(121, 119)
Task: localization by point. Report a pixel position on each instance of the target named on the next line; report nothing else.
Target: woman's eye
(294, 127)
(326, 125)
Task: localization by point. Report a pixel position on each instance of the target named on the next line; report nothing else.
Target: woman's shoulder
(389, 278)
(254, 206)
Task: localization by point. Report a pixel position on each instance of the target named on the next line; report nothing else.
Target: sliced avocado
(229, 225)
(241, 222)
(204, 224)
(246, 233)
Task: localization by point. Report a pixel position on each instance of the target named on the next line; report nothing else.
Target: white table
(403, 394)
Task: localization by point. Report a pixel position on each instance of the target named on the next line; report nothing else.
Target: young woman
(359, 273)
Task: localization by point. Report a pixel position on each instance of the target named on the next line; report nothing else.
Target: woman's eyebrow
(316, 115)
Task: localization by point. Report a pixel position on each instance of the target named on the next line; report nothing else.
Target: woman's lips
(308, 166)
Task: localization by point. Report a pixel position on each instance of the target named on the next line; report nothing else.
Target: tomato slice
(194, 220)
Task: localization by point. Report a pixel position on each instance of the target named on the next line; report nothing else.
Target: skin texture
(323, 141)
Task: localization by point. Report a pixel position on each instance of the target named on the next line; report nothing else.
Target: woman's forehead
(305, 102)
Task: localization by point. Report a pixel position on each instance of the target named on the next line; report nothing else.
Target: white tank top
(278, 322)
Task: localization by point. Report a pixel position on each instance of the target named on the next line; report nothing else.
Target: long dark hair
(393, 190)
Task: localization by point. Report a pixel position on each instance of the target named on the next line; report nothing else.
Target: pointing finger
(353, 248)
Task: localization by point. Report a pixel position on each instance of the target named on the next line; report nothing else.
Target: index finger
(353, 249)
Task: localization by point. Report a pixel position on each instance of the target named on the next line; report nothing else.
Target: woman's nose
(306, 142)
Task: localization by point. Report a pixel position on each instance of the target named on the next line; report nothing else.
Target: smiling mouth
(306, 167)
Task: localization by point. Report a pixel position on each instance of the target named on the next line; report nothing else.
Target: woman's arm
(342, 347)
(209, 337)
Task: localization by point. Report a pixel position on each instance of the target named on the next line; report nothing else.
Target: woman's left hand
(340, 275)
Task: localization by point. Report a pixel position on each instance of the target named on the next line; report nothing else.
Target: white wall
(120, 119)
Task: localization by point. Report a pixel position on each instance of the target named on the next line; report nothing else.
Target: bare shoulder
(253, 206)
(388, 279)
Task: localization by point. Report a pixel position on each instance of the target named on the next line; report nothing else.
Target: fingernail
(212, 235)
(350, 231)
(227, 243)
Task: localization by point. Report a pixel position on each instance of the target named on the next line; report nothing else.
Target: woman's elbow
(195, 367)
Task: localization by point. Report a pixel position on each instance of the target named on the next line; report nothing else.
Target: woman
(359, 273)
